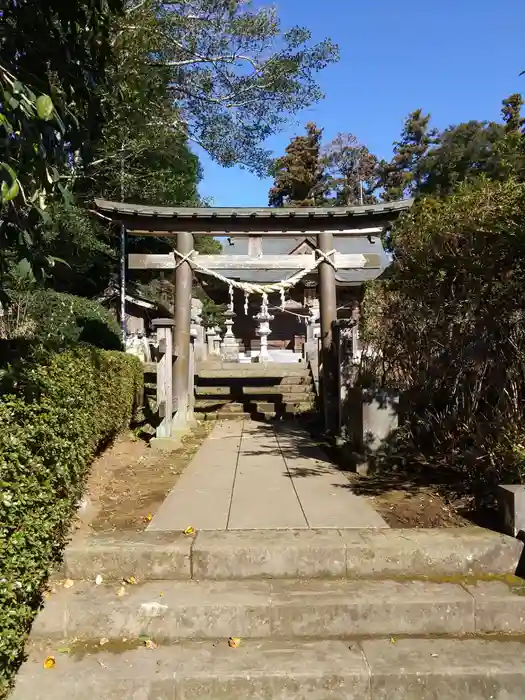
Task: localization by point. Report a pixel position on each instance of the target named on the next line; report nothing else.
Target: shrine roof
(229, 213)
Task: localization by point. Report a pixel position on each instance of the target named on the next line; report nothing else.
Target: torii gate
(365, 223)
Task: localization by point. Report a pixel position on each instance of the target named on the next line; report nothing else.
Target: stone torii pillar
(183, 285)
(328, 309)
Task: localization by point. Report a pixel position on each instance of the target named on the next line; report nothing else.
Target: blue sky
(456, 59)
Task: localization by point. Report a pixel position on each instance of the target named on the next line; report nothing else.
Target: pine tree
(298, 175)
(402, 175)
(511, 113)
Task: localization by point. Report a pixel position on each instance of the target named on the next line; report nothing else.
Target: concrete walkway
(259, 476)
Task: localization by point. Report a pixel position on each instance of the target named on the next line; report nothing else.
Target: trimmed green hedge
(62, 412)
(61, 320)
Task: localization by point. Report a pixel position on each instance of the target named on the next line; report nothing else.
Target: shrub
(59, 320)
(62, 412)
(450, 327)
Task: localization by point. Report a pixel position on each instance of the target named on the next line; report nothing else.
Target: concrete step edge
(277, 554)
(279, 609)
(283, 390)
(224, 415)
(374, 669)
(203, 404)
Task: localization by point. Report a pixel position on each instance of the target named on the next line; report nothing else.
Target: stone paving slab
(201, 497)
(263, 495)
(438, 669)
(170, 611)
(254, 476)
(408, 669)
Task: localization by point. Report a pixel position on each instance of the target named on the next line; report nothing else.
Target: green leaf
(7, 124)
(24, 269)
(28, 239)
(45, 107)
(9, 190)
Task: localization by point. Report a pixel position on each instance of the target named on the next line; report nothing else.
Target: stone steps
(298, 609)
(374, 669)
(239, 372)
(284, 390)
(265, 391)
(344, 614)
(445, 554)
(206, 405)
(225, 415)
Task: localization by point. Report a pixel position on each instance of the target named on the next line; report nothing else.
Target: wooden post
(164, 327)
(183, 284)
(328, 309)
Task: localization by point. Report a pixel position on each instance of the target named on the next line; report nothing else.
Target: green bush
(62, 412)
(58, 320)
(449, 325)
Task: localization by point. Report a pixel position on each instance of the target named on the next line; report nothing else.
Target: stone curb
(354, 554)
(171, 611)
(409, 669)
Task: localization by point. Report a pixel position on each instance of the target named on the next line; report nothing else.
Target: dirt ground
(129, 481)
(425, 508)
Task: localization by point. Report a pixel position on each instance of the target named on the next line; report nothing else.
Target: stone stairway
(236, 391)
(283, 615)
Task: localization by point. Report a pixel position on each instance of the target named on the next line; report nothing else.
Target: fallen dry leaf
(50, 662)
(131, 580)
(234, 642)
(148, 518)
(68, 583)
(150, 644)
(98, 580)
(189, 530)
(121, 591)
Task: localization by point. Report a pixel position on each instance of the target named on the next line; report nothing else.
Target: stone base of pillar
(165, 444)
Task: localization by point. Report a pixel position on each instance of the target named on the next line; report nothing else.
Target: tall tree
(511, 113)
(462, 152)
(401, 176)
(236, 75)
(350, 171)
(299, 175)
(141, 156)
(466, 151)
